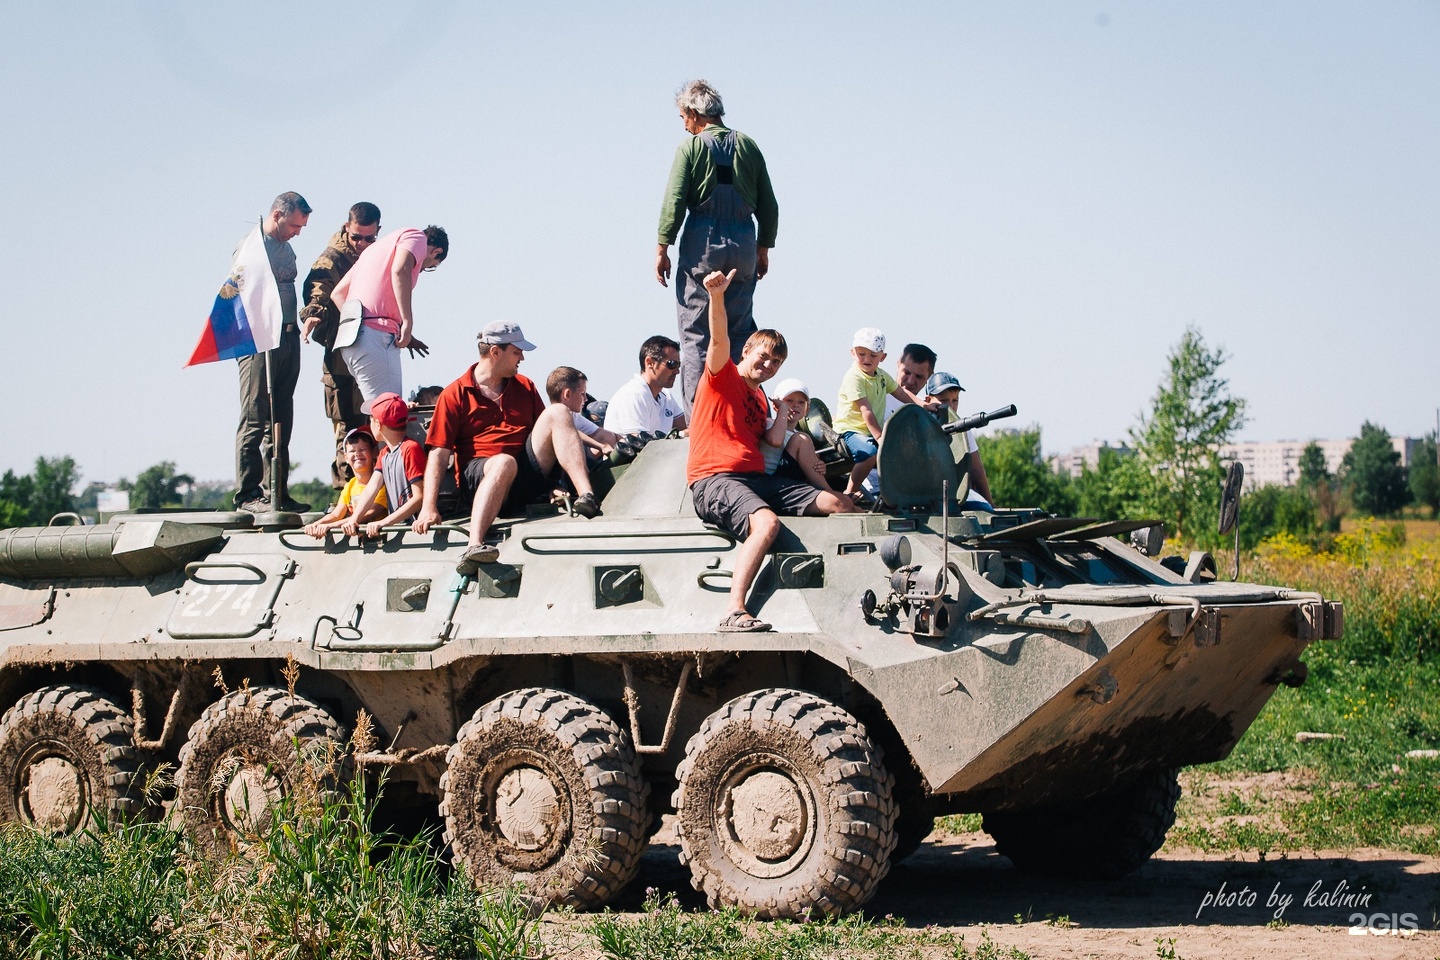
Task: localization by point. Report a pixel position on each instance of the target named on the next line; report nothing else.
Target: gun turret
(979, 419)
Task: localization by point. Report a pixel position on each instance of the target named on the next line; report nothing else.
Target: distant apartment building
(1277, 462)
(1087, 457)
(1274, 462)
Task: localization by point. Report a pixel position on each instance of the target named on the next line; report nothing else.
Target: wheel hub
(767, 819)
(250, 794)
(527, 808)
(55, 795)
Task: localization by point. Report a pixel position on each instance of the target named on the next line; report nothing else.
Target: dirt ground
(960, 882)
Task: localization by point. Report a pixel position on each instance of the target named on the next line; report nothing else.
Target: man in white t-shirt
(644, 404)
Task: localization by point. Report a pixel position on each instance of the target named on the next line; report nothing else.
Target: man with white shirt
(644, 404)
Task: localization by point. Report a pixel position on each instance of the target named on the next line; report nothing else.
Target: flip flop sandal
(739, 621)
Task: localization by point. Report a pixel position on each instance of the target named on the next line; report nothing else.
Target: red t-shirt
(399, 468)
(725, 430)
(473, 425)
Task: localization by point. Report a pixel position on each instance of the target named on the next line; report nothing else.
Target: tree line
(1176, 472)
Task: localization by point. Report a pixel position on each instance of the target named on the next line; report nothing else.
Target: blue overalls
(719, 234)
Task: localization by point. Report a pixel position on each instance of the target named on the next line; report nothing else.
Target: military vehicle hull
(561, 700)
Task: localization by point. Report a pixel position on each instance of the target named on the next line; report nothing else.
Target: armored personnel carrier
(926, 658)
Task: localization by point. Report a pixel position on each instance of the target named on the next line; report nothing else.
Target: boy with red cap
(401, 472)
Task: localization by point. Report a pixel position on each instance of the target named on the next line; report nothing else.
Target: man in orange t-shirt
(726, 470)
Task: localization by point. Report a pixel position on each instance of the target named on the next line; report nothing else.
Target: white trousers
(374, 362)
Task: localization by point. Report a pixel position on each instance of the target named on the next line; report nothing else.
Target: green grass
(1378, 687)
(321, 884)
(665, 931)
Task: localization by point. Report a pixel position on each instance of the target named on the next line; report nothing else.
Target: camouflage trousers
(342, 406)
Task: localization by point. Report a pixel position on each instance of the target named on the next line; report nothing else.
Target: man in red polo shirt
(507, 442)
(726, 470)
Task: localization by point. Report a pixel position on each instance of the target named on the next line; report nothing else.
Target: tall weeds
(321, 883)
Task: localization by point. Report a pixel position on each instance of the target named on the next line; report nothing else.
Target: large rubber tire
(912, 826)
(248, 750)
(1101, 838)
(784, 807)
(542, 788)
(66, 753)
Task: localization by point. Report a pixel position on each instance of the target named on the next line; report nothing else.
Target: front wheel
(1103, 838)
(785, 808)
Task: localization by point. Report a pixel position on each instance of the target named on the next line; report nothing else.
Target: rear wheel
(248, 751)
(1103, 837)
(542, 788)
(785, 807)
(67, 752)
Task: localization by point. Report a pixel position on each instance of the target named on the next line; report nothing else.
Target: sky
(1048, 194)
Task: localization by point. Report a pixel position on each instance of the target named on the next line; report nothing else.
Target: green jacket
(329, 267)
(692, 177)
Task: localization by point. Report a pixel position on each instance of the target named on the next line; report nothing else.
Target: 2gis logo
(1383, 924)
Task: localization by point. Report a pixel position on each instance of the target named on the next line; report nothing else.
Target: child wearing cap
(784, 446)
(860, 412)
(360, 454)
(400, 475)
(945, 389)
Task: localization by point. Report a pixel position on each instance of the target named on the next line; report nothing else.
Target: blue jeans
(862, 446)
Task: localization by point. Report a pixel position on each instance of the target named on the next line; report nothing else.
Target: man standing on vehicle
(320, 317)
(726, 469)
(256, 491)
(720, 188)
(383, 279)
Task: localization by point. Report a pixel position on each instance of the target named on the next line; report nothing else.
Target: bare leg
(555, 440)
(801, 449)
(858, 473)
(831, 502)
(494, 485)
(764, 527)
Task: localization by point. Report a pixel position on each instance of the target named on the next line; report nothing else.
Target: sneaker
(257, 505)
(470, 561)
(587, 506)
(294, 506)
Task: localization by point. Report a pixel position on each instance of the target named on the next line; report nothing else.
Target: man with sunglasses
(320, 318)
(383, 279)
(644, 404)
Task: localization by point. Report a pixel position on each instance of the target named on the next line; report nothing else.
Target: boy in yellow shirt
(360, 454)
(860, 412)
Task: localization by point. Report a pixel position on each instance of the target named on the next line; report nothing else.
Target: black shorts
(728, 499)
(531, 482)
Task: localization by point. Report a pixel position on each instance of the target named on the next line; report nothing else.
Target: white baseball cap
(869, 338)
(786, 387)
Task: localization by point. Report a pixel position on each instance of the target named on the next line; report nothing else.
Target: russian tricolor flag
(246, 318)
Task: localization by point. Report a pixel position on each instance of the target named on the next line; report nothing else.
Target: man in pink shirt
(382, 280)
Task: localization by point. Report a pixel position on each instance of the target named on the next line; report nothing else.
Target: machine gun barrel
(979, 419)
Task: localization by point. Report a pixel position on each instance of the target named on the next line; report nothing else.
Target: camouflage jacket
(329, 267)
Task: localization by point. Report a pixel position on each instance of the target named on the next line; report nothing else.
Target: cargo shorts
(728, 499)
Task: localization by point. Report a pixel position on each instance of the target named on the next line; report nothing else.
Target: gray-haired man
(255, 490)
(720, 188)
